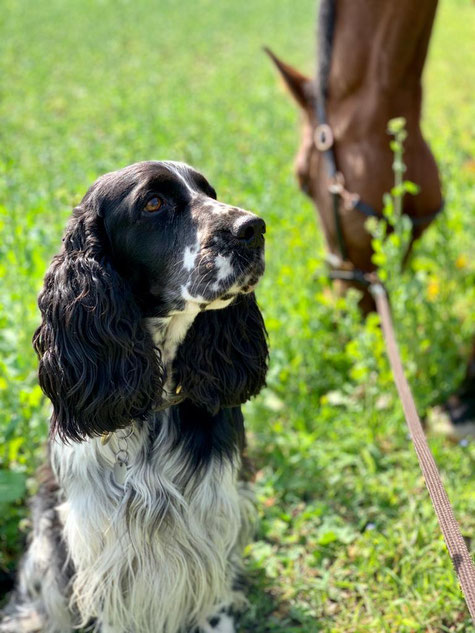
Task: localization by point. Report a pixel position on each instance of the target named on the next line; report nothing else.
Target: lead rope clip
(337, 186)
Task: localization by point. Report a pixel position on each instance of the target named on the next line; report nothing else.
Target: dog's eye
(153, 204)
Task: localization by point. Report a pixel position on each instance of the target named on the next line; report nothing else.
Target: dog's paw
(220, 623)
(28, 622)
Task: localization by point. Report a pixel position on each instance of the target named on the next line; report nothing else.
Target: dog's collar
(122, 455)
(169, 402)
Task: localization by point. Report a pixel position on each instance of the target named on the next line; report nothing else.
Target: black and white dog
(150, 340)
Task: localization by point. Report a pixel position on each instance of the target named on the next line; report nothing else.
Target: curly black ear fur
(98, 364)
(223, 359)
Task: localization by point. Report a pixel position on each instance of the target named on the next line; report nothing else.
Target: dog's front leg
(222, 622)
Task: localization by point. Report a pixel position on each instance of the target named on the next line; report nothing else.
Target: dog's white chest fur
(155, 556)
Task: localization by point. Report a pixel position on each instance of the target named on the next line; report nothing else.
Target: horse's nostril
(250, 232)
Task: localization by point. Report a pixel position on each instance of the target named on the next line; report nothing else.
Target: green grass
(347, 541)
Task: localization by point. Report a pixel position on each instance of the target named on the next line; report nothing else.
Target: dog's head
(150, 241)
(173, 241)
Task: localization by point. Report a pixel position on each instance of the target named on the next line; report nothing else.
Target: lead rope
(454, 540)
(324, 142)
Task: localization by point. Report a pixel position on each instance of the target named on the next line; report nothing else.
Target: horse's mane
(325, 29)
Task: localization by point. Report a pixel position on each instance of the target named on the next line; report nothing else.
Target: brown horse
(371, 58)
(370, 63)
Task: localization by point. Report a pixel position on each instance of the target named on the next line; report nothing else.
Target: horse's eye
(153, 204)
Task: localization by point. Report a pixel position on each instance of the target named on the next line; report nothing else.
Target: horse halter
(324, 142)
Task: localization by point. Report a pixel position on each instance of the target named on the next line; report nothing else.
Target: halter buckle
(337, 186)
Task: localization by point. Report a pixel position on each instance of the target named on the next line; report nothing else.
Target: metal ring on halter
(323, 137)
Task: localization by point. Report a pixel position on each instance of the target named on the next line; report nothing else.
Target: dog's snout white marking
(224, 269)
(189, 255)
(223, 266)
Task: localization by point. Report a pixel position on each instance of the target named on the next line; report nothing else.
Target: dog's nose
(250, 232)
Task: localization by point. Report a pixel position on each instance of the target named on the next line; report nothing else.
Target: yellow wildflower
(433, 288)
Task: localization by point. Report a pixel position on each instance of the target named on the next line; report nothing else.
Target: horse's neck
(379, 46)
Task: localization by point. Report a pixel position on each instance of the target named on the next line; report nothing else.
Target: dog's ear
(300, 86)
(223, 359)
(98, 364)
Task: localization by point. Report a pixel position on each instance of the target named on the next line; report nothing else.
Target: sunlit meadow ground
(347, 540)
